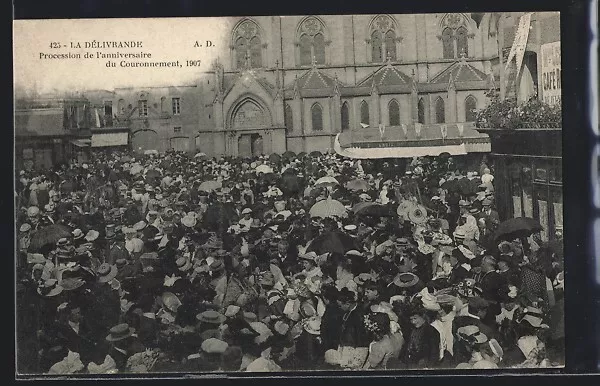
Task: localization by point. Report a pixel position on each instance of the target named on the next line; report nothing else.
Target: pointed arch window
(390, 44)
(255, 52)
(289, 118)
(440, 111)
(345, 117)
(470, 108)
(394, 113)
(448, 43)
(382, 38)
(311, 42)
(364, 113)
(455, 36)
(316, 112)
(247, 45)
(376, 47)
(462, 44)
(319, 48)
(421, 111)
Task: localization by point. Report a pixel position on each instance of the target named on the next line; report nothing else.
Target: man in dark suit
(491, 217)
(116, 248)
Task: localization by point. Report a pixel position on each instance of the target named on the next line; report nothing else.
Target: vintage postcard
(287, 193)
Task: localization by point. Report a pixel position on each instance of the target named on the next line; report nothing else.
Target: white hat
(246, 211)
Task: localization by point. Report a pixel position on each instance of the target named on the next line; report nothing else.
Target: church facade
(292, 83)
(295, 82)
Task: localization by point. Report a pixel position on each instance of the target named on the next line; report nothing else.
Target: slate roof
(40, 123)
(459, 72)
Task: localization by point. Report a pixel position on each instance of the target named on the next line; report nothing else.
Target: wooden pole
(500, 37)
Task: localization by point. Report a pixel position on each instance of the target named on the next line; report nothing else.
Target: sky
(166, 39)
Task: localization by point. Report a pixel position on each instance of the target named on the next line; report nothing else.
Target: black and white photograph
(288, 193)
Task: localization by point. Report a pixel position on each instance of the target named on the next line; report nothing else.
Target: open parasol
(358, 185)
(328, 208)
(200, 155)
(327, 181)
(209, 186)
(266, 169)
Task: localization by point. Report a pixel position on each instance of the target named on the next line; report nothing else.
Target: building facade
(295, 82)
(50, 130)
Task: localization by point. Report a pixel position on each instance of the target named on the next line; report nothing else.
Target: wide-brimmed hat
(534, 316)
(246, 211)
(140, 225)
(250, 317)
(217, 265)
(36, 258)
(406, 279)
(183, 264)
(170, 301)
(25, 228)
(70, 284)
(471, 334)
(214, 346)
(120, 332)
(459, 234)
(211, 316)
(281, 327)
(313, 325)
(92, 235)
(77, 234)
(50, 288)
(189, 221)
(62, 242)
(106, 272)
(232, 310)
(310, 256)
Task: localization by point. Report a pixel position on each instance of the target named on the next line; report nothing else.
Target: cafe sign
(551, 73)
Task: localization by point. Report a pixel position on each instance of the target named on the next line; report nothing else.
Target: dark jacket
(422, 348)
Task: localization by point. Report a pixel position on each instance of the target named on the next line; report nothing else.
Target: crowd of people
(186, 263)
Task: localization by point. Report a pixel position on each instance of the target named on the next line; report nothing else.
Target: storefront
(527, 172)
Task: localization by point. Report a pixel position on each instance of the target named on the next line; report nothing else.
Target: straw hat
(214, 346)
(25, 228)
(106, 272)
(50, 288)
(313, 325)
(211, 316)
(183, 264)
(406, 279)
(471, 334)
(120, 332)
(92, 235)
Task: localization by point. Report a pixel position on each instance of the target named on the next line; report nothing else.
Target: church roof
(386, 75)
(316, 79)
(458, 72)
(231, 80)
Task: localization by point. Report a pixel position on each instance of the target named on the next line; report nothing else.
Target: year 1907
(192, 63)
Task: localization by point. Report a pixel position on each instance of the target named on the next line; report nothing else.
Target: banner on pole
(517, 50)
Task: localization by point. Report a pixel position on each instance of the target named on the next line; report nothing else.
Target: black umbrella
(315, 153)
(451, 185)
(467, 187)
(372, 209)
(274, 158)
(517, 227)
(48, 236)
(289, 154)
(333, 242)
(290, 183)
(301, 155)
(270, 177)
(290, 171)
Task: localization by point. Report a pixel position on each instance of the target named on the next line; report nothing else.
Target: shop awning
(110, 139)
(81, 142)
